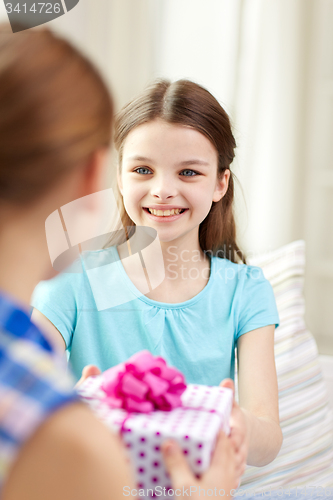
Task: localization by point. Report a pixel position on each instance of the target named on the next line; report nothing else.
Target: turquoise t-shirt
(107, 324)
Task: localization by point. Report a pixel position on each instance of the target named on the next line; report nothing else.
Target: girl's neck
(180, 254)
(182, 258)
(24, 256)
(186, 267)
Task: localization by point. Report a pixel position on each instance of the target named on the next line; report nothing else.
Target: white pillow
(306, 418)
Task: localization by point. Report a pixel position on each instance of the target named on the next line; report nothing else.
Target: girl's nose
(163, 189)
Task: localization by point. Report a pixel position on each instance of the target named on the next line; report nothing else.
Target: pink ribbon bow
(142, 384)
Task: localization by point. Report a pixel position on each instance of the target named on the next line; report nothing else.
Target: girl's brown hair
(55, 111)
(187, 103)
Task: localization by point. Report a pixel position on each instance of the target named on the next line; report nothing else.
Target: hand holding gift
(221, 475)
(148, 402)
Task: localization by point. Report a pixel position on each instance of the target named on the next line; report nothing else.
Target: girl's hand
(221, 474)
(238, 428)
(88, 371)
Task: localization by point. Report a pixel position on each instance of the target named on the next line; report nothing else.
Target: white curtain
(119, 36)
(269, 98)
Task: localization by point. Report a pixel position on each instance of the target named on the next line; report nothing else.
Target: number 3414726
(36, 8)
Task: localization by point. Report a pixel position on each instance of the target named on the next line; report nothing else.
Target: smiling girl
(175, 147)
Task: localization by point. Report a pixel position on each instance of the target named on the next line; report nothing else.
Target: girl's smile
(165, 213)
(168, 178)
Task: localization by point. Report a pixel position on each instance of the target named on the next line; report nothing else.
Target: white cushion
(306, 418)
(326, 363)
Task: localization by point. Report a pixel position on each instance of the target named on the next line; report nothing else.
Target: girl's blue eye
(188, 173)
(139, 170)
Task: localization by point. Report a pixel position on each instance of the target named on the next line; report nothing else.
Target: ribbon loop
(142, 384)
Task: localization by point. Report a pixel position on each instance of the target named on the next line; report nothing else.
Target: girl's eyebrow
(140, 158)
(195, 161)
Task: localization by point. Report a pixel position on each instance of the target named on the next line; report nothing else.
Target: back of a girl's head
(186, 103)
(55, 111)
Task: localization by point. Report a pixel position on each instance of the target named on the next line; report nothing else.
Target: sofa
(326, 363)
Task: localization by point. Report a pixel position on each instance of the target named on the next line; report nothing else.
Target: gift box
(192, 415)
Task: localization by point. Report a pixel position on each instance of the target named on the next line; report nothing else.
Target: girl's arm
(258, 394)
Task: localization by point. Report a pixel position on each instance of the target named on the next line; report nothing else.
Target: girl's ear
(222, 184)
(93, 174)
(119, 180)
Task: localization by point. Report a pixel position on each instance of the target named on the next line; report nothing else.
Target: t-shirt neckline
(164, 305)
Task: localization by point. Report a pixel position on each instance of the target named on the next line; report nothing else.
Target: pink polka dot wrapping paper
(194, 426)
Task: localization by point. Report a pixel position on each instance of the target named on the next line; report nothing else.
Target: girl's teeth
(165, 213)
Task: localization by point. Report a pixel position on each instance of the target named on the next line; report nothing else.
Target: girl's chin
(168, 237)
(164, 234)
